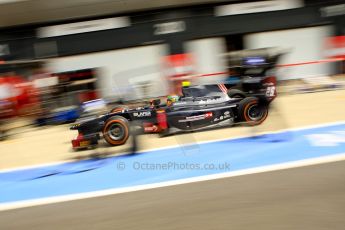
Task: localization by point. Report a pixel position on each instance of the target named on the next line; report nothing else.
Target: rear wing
(261, 59)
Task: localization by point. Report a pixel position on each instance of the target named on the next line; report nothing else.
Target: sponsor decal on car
(180, 103)
(225, 115)
(198, 117)
(217, 100)
(142, 114)
(208, 115)
(152, 128)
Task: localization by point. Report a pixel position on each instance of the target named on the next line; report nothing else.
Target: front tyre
(116, 130)
(251, 111)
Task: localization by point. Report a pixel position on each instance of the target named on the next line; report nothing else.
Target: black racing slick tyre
(116, 130)
(251, 111)
(236, 93)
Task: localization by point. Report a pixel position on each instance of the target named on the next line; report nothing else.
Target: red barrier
(313, 62)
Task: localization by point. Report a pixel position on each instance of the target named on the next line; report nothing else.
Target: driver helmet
(172, 99)
(185, 84)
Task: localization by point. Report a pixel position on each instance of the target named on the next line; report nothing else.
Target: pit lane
(302, 198)
(50, 145)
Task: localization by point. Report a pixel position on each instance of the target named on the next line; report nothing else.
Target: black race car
(199, 107)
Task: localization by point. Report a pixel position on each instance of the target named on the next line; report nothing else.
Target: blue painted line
(165, 165)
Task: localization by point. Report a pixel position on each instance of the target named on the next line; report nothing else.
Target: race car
(199, 107)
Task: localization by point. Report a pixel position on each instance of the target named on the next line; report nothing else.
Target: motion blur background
(130, 49)
(57, 54)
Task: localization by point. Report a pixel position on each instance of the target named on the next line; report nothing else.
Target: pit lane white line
(269, 168)
(188, 144)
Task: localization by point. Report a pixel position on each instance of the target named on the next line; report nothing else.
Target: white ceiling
(20, 12)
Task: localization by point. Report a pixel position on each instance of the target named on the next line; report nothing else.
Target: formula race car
(199, 107)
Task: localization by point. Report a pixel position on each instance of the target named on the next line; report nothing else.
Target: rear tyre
(252, 112)
(236, 93)
(116, 130)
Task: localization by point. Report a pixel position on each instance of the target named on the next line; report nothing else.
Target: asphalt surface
(310, 197)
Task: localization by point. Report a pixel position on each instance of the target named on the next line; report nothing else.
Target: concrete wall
(120, 71)
(305, 44)
(208, 59)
